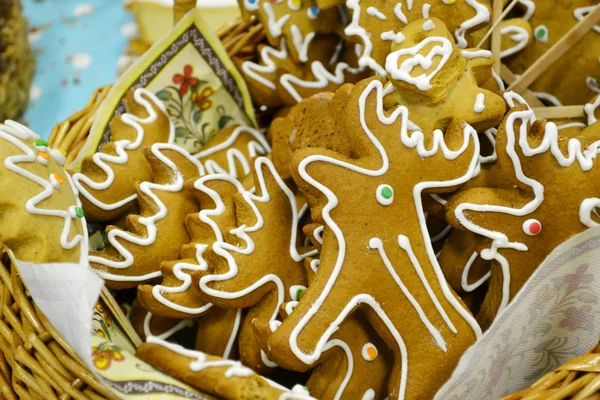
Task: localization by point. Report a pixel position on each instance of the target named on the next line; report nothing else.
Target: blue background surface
(77, 44)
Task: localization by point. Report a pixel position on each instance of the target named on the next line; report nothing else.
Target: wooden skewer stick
(181, 8)
(559, 112)
(508, 77)
(120, 317)
(497, 22)
(497, 35)
(556, 51)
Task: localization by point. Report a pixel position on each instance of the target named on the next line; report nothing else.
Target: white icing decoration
(519, 35)
(571, 125)
(58, 156)
(590, 110)
(530, 5)
(42, 160)
(324, 78)
(149, 222)
(471, 54)
(388, 35)
(141, 97)
(256, 147)
(400, 38)
(584, 157)
(365, 352)
(416, 141)
(545, 37)
(201, 363)
(16, 134)
(499, 81)
(252, 6)
(464, 281)
(425, 10)
(553, 100)
(318, 234)
(369, 395)
(479, 103)
(581, 12)
(301, 44)
(294, 289)
(225, 249)
(592, 84)
(54, 182)
(490, 134)
(255, 70)
(399, 14)
(290, 306)
(482, 15)
(374, 12)
(185, 323)
(355, 29)
(314, 265)
(275, 26)
(382, 200)
(428, 25)
(403, 71)
(527, 224)
(442, 235)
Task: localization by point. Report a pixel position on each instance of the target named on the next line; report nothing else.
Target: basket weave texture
(35, 361)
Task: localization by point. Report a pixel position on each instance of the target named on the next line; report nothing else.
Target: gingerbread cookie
(429, 71)
(214, 375)
(552, 199)
(134, 255)
(231, 150)
(42, 219)
(377, 24)
(309, 124)
(107, 178)
(266, 229)
(357, 362)
(384, 179)
(573, 78)
(175, 296)
(275, 79)
(296, 23)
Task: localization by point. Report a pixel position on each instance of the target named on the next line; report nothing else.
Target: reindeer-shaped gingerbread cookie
(553, 198)
(376, 251)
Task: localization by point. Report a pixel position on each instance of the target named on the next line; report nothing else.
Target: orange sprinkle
(44, 155)
(58, 178)
(372, 352)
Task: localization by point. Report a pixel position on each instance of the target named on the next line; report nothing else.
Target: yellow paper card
(190, 71)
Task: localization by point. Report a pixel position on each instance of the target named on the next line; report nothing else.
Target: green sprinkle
(299, 294)
(79, 212)
(540, 33)
(40, 143)
(387, 192)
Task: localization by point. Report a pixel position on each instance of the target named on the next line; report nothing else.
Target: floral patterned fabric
(554, 318)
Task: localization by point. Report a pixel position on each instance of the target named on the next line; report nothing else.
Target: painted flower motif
(186, 80)
(201, 98)
(577, 278)
(103, 311)
(104, 354)
(100, 332)
(577, 318)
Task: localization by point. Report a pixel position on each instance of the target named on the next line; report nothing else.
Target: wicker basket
(35, 361)
(576, 379)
